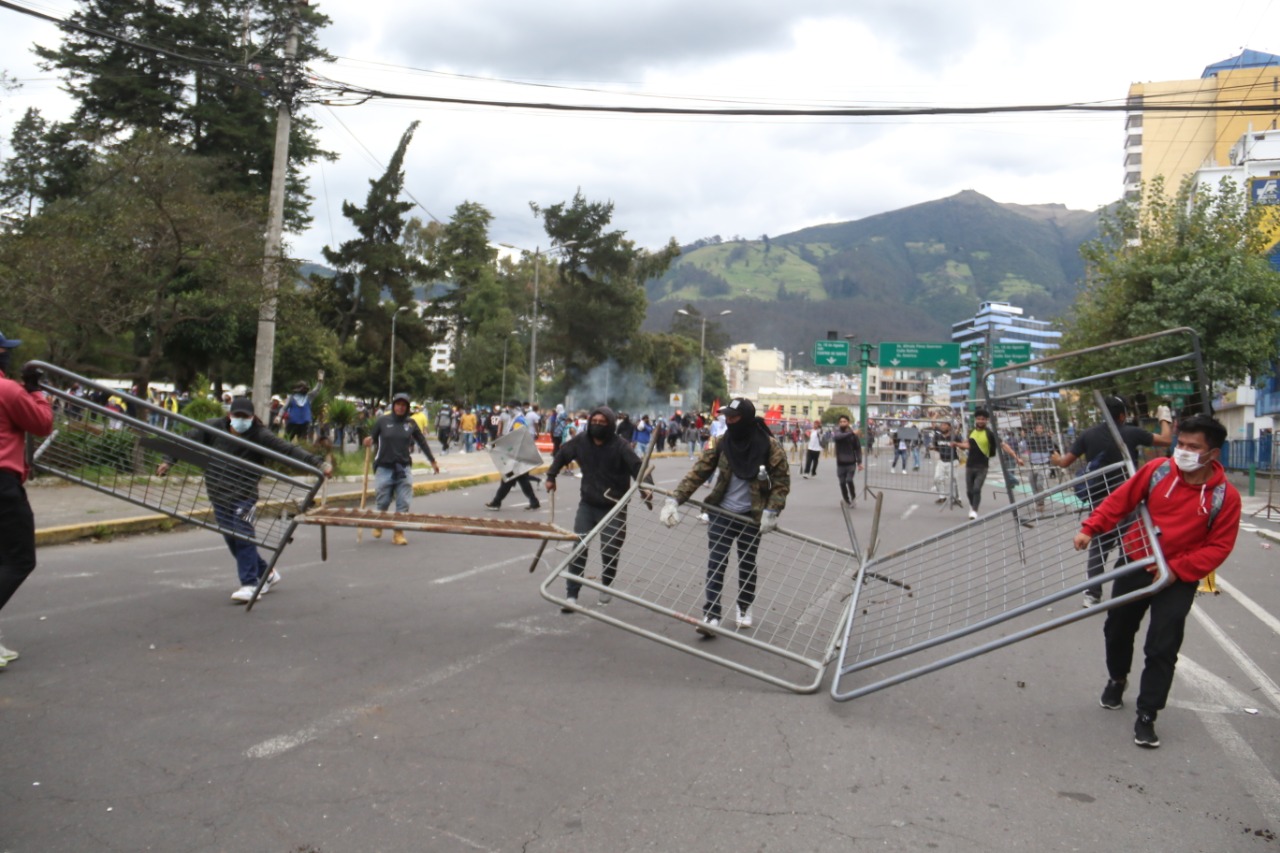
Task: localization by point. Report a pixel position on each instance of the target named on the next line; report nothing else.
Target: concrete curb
(162, 523)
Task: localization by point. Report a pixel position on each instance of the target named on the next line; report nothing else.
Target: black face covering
(747, 441)
(605, 431)
(598, 431)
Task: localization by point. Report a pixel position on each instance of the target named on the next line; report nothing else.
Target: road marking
(909, 511)
(479, 570)
(278, 745)
(1237, 654)
(1249, 604)
(183, 553)
(1252, 771)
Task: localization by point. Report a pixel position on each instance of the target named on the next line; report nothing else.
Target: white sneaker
(708, 622)
(6, 655)
(571, 602)
(744, 618)
(704, 518)
(604, 598)
(973, 513)
(244, 594)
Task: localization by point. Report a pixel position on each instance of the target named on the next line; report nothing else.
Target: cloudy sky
(691, 177)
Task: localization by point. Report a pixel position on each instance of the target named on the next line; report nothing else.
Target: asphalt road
(426, 698)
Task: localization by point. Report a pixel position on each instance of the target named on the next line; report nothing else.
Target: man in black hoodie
(608, 466)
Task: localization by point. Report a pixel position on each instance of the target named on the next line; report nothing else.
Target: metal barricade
(802, 590)
(1013, 565)
(117, 453)
(889, 465)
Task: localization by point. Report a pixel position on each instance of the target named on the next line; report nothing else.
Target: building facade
(1176, 143)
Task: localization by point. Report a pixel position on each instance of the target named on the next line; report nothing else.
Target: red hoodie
(20, 413)
(1180, 512)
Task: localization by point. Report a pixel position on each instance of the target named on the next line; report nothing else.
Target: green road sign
(1174, 389)
(830, 353)
(926, 356)
(1003, 355)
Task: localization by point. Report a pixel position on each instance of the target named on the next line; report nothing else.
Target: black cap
(241, 406)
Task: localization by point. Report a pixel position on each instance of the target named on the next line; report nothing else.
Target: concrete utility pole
(264, 355)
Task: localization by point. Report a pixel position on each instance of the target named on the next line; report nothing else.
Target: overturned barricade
(802, 588)
(109, 450)
(995, 581)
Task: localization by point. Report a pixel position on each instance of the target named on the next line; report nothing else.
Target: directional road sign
(831, 353)
(1174, 389)
(1003, 355)
(926, 356)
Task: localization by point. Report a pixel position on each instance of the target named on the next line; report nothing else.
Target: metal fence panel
(914, 468)
(803, 589)
(117, 454)
(1012, 566)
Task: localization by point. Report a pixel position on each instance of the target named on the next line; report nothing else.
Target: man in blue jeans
(395, 434)
(233, 492)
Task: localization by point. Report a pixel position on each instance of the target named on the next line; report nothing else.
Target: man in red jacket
(1197, 514)
(23, 409)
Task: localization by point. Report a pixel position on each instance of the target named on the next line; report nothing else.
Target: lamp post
(702, 346)
(505, 343)
(533, 323)
(391, 377)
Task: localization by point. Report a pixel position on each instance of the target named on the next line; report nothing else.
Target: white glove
(326, 468)
(1163, 414)
(669, 515)
(768, 521)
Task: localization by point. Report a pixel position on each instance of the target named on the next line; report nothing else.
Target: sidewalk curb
(108, 529)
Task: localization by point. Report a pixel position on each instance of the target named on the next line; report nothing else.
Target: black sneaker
(1144, 732)
(1112, 695)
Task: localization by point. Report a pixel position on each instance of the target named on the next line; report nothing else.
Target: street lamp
(702, 346)
(391, 378)
(533, 333)
(505, 343)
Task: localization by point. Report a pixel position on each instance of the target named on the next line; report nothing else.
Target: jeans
(1169, 608)
(1099, 547)
(973, 480)
(468, 442)
(694, 447)
(235, 521)
(721, 534)
(17, 536)
(915, 459)
(898, 454)
(615, 533)
(386, 485)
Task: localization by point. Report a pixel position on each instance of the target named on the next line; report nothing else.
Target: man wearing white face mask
(233, 493)
(1197, 514)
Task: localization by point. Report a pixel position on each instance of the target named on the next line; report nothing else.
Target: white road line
(1249, 604)
(480, 570)
(1249, 768)
(277, 745)
(909, 511)
(1237, 654)
(183, 553)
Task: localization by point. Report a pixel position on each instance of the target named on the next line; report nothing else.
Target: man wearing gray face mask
(233, 493)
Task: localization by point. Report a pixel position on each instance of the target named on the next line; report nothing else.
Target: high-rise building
(1161, 139)
(999, 323)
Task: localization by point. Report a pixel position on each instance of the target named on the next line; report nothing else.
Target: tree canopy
(1195, 259)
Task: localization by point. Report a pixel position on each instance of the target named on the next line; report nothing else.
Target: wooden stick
(364, 488)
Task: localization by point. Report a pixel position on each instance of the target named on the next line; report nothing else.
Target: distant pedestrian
(983, 445)
(848, 459)
(394, 435)
(297, 410)
(813, 451)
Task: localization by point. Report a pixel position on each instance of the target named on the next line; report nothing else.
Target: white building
(998, 323)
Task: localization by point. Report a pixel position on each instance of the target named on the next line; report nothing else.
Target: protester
(754, 480)
(24, 410)
(233, 492)
(394, 436)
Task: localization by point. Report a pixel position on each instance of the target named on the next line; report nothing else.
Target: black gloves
(31, 376)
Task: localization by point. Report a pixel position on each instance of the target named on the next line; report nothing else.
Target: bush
(202, 409)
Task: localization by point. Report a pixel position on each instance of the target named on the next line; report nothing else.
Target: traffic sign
(1003, 355)
(1175, 389)
(927, 356)
(831, 353)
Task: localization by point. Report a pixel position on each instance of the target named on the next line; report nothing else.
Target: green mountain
(903, 275)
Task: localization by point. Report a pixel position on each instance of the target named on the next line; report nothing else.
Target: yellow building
(1164, 140)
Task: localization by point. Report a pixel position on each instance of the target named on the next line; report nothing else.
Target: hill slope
(903, 275)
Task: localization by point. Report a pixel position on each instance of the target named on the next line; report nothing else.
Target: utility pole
(264, 355)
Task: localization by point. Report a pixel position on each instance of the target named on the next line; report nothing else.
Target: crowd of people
(743, 460)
